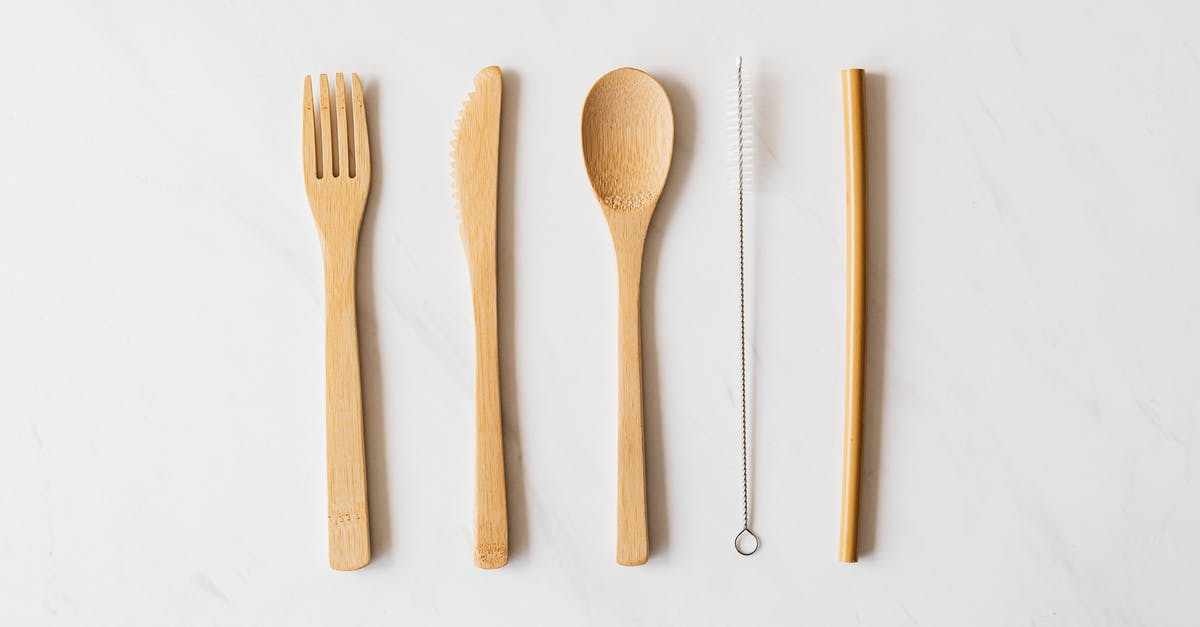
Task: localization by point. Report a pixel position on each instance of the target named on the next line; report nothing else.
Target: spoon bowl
(628, 136)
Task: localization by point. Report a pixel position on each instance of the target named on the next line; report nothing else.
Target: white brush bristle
(454, 183)
(740, 128)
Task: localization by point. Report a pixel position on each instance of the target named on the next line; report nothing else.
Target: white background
(1031, 445)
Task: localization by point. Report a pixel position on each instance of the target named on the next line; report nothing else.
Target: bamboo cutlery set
(627, 137)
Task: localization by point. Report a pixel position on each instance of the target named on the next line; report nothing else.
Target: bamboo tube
(856, 216)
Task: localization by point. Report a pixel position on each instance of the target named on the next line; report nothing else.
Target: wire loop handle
(738, 542)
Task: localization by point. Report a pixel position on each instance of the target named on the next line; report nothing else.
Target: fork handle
(633, 543)
(491, 506)
(349, 529)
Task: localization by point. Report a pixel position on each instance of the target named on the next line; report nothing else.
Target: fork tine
(343, 140)
(326, 130)
(362, 151)
(310, 138)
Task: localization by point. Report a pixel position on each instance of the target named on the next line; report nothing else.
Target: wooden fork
(337, 192)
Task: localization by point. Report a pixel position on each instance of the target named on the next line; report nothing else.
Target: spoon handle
(632, 536)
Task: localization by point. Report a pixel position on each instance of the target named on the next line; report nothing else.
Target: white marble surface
(1032, 426)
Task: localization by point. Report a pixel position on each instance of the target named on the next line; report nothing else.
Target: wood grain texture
(856, 216)
(475, 155)
(628, 135)
(337, 193)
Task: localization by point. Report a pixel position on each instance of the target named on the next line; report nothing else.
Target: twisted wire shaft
(742, 293)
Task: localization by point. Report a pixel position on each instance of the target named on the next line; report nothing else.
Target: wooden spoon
(628, 133)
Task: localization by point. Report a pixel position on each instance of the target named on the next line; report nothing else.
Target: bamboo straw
(856, 215)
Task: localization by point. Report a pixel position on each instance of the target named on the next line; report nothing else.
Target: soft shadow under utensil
(875, 105)
(514, 464)
(370, 359)
(684, 112)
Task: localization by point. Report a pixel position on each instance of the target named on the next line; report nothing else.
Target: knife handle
(491, 506)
